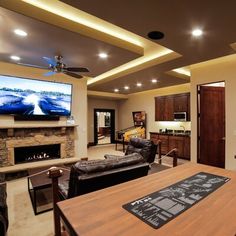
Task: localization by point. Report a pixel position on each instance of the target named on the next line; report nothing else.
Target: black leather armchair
(146, 148)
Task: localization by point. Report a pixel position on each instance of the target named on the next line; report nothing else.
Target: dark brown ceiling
(47, 40)
(175, 18)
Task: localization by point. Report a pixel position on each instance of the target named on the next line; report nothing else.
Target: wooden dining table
(100, 213)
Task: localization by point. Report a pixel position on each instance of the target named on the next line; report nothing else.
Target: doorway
(211, 124)
(104, 126)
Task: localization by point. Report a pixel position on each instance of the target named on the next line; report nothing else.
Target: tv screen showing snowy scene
(20, 96)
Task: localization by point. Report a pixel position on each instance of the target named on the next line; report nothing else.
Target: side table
(41, 183)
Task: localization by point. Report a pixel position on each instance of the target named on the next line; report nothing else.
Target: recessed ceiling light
(126, 87)
(103, 55)
(116, 90)
(15, 58)
(197, 32)
(154, 81)
(20, 32)
(139, 84)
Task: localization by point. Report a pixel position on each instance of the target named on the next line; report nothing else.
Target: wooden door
(211, 126)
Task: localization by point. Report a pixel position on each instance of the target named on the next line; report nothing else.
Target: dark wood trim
(198, 123)
(90, 144)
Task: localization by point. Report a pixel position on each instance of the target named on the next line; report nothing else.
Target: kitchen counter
(188, 134)
(171, 140)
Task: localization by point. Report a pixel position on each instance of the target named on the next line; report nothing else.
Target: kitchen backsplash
(173, 125)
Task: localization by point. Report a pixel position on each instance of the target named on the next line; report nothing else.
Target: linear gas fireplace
(36, 153)
(27, 144)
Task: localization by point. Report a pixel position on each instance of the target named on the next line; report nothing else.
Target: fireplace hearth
(36, 153)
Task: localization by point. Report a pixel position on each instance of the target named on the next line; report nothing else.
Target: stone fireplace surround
(12, 137)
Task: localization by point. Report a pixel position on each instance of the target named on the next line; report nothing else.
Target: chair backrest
(143, 146)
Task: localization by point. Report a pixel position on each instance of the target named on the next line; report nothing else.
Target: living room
(177, 62)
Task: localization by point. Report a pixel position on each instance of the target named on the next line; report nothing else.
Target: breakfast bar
(101, 212)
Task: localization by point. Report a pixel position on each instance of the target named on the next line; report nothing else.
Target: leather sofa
(3, 207)
(92, 175)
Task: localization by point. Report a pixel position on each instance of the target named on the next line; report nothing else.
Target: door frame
(198, 115)
(112, 133)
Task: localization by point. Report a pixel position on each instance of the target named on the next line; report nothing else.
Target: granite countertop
(186, 133)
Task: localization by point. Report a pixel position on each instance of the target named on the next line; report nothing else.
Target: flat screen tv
(29, 97)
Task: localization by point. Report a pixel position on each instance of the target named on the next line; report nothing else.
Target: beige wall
(222, 69)
(102, 104)
(144, 101)
(79, 102)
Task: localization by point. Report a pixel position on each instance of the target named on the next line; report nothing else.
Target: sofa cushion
(117, 157)
(85, 167)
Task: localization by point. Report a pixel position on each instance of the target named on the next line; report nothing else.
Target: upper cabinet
(165, 106)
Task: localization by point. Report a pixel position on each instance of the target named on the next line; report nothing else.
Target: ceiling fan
(57, 66)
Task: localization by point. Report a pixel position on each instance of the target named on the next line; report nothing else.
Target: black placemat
(158, 208)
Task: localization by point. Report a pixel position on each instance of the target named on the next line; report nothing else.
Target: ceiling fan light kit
(57, 66)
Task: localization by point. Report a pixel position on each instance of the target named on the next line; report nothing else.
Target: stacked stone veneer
(25, 137)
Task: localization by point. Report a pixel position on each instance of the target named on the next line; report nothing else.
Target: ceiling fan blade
(49, 73)
(73, 75)
(31, 65)
(77, 69)
(50, 61)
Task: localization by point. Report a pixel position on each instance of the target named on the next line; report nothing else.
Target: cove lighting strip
(78, 16)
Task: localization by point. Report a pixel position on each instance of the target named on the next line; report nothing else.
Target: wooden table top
(101, 213)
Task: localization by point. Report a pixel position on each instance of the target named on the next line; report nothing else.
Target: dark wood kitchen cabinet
(187, 147)
(177, 142)
(165, 106)
(181, 102)
(170, 141)
(159, 108)
(155, 137)
(164, 143)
